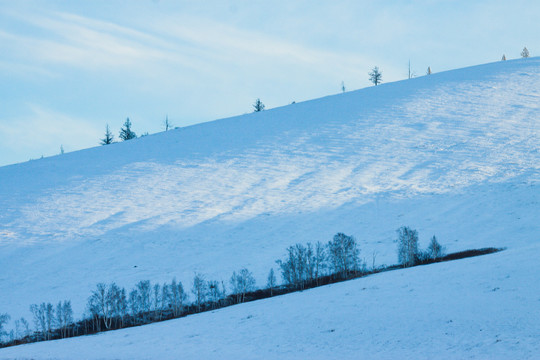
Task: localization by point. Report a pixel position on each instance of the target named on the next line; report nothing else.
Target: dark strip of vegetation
(304, 267)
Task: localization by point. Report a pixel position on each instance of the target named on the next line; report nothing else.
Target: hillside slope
(417, 313)
(454, 154)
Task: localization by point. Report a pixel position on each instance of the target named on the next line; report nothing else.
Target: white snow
(454, 154)
(418, 313)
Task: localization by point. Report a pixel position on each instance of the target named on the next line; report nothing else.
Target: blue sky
(68, 68)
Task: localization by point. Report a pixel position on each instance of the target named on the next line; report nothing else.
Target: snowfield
(455, 154)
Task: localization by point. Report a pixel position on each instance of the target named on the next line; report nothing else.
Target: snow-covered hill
(456, 154)
(477, 308)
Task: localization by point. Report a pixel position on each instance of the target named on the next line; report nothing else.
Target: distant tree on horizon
(411, 72)
(525, 53)
(375, 76)
(258, 105)
(126, 133)
(503, 58)
(167, 124)
(109, 137)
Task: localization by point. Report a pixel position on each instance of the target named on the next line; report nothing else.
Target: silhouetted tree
(4, 318)
(167, 124)
(435, 250)
(199, 289)
(215, 292)
(125, 132)
(178, 297)
(109, 137)
(375, 76)
(343, 253)
(407, 246)
(271, 281)
(258, 105)
(242, 283)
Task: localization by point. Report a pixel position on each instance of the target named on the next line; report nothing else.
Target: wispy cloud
(189, 42)
(42, 131)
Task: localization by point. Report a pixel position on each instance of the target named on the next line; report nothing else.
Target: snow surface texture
(455, 154)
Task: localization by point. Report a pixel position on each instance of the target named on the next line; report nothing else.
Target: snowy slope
(454, 154)
(418, 313)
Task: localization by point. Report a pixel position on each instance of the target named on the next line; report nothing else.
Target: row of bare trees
(304, 266)
(307, 264)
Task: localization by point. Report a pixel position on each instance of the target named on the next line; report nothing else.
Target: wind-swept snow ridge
(454, 154)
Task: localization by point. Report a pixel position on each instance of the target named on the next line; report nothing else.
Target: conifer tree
(109, 137)
(126, 133)
(375, 76)
(258, 105)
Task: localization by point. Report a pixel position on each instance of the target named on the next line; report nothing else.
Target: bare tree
(167, 124)
(343, 254)
(435, 250)
(321, 258)
(109, 137)
(258, 105)
(121, 306)
(18, 333)
(157, 306)
(64, 317)
(59, 320)
(99, 304)
(166, 303)
(4, 318)
(214, 292)
(49, 319)
(242, 283)
(293, 268)
(525, 53)
(38, 313)
(134, 304)
(199, 290)
(25, 327)
(144, 291)
(271, 281)
(407, 246)
(375, 76)
(411, 73)
(178, 297)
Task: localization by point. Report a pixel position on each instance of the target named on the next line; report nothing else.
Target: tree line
(304, 266)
